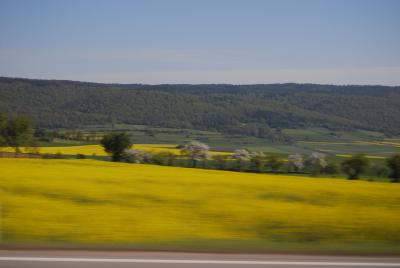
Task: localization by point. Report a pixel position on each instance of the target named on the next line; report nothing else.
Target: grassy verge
(222, 246)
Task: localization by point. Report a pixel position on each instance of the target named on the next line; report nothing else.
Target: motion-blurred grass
(89, 202)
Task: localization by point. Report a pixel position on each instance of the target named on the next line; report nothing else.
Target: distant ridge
(191, 84)
(237, 109)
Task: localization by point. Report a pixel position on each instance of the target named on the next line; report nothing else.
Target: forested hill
(243, 109)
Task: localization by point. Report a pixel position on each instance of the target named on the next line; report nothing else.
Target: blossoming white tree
(296, 161)
(241, 156)
(196, 151)
(316, 162)
(136, 156)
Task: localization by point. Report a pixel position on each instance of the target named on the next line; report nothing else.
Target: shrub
(379, 171)
(163, 158)
(53, 156)
(220, 161)
(274, 163)
(136, 156)
(257, 160)
(330, 169)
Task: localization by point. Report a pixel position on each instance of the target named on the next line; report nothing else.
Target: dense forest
(256, 110)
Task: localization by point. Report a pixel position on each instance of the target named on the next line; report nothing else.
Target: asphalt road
(121, 259)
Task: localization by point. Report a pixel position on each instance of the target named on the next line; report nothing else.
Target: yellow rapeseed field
(96, 202)
(98, 150)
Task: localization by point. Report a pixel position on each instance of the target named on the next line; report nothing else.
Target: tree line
(197, 154)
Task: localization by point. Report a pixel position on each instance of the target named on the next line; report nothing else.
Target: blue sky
(167, 41)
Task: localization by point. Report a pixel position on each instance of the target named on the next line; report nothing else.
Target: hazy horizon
(194, 84)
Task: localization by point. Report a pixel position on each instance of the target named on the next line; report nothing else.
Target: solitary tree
(379, 170)
(394, 164)
(354, 166)
(115, 144)
(163, 158)
(19, 133)
(196, 151)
